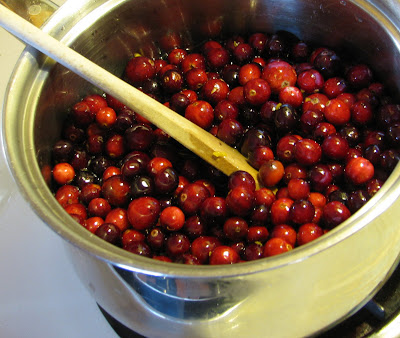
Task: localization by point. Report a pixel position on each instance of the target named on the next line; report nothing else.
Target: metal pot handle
(35, 11)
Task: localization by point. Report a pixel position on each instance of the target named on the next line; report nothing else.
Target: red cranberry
(271, 172)
(307, 152)
(200, 113)
(285, 232)
(280, 211)
(235, 228)
(140, 69)
(116, 191)
(177, 244)
(143, 212)
(308, 232)
(276, 246)
(240, 200)
(63, 173)
(359, 170)
(279, 74)
(192, 197)
(109, 232)
(138, 248)
(224, 255)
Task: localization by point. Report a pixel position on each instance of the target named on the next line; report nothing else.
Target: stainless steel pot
(294, 294)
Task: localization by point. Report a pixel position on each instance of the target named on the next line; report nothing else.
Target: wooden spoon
(194, 138)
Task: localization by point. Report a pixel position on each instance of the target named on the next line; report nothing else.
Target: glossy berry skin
(224, 255)
(203, 246)
(140, 69)
(279, 74)
(240, 200)
(236, 228)
(359, 170)
(200, 113)
(337, 112)
(214, 91)
(116, 191)
(298, 189)
(213, 210)
(241, 178)
(271, 173)
(172, 218)
(257, 233)
(310, 81)
(177, 244)
(280, 211)
(285, 232)
(256, 92)
(131, 235)
(139, 248)
(143, 212)
(192, 197)
(301, 212)
(308, 232)
(276, 246)
(63, 173)
(335, 213)
(335, 147)
(109, 232)
(291, 95)
(307, 152)
(67, 194)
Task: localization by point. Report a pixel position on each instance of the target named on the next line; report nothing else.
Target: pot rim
(60, 27)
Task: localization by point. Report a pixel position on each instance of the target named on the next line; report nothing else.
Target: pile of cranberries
(323, 133)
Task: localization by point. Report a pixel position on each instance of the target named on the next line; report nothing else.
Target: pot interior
(113, 31)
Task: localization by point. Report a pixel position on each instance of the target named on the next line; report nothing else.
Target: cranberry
(357, 199)
(259, 156)
(166, 181)
(213, 210)
(247, 72)
(217, 58)
(335, 147)
(139, 137)
(240, 200)
(99, 207)
(335, 213)
(320, 177)
(256, 92)
(285, 148)
(334, 86)
(280, 211)
(359, 170)
(315, 102)
(67, 194)
(156, 238)
(291, 96)
(253, 251)
(63, 173)
(192, 197)
(271, 172)
(116, 191)
(359, 76)
(230, 131)
(310, 81)
(301, 211)
(307, 151)
(177, 244)
(138, 248)
(143, 212)
(172, 81)
(257, 233)
(109, 232)
(140, 69)
(298, 189)
(200, 113)
(230, 74)
(214, 91)
(279, 74)
(308, 232)
(172, 218)
(241, 178)
(91, 223)
(141, 185)
(62, 151)
(276, 246)
(285, 232)
(224, 255)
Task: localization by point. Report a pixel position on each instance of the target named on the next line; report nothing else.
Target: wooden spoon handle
(199, 141)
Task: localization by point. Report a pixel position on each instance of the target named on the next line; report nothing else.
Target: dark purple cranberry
(73, 134)
(99, 164)
(230, 131)
(338, 195)
(253, 138)
(151, 86)
(166, 181)
(139, 248)
(388, 115)
(190, 168)
(63, 151)
(301, 212)
(275, 46)
(373, 154)
(328, 63)
(267, 112)
(156, 238)
(124, 121)
(320, 177)
(142, 186)
(139, 137)
(230, 74)
(393, 135)
(179, 102)
(194, 227)
(177, 244)
(285, 119)
(309, 120)
(253, 251)
(389, 159)
(110, 233)
(300, 51)
(80, 159)
(172, 81)
(357, 199)
(260, 215)
(84, 177)
(131, 168)
(351, 134)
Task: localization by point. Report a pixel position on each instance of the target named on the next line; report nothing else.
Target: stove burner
(379, 316)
